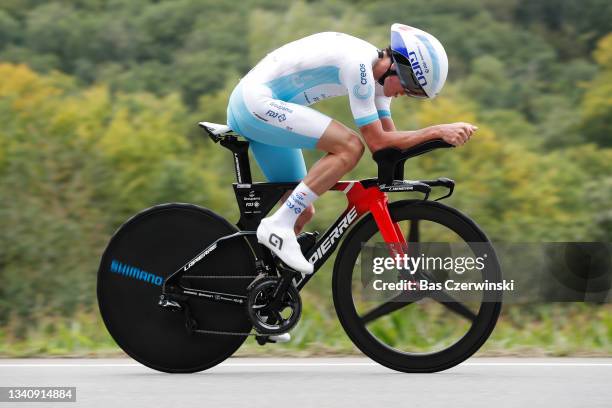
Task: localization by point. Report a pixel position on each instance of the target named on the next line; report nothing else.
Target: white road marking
(51, 365)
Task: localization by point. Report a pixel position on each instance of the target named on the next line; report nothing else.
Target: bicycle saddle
(215, 128)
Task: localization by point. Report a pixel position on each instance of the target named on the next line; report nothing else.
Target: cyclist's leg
(279, 164)
(283, 124)
(304, 218)
(255, 113)
(283, 164)
(344, 151)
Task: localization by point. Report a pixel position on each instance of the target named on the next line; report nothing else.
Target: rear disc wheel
(141, 255)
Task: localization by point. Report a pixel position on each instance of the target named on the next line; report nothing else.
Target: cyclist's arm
(376, 137)
(387, 124)
(382, 133)
(372, 114)
(383, 108)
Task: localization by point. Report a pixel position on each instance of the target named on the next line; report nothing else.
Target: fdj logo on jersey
(280, 116)
(416, 68)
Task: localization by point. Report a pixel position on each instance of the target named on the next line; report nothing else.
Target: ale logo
(276, 241)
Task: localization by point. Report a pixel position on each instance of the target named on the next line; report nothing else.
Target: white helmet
(420, 60)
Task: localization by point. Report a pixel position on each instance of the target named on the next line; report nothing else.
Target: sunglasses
(407, 78)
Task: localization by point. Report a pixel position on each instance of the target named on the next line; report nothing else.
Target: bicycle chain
(219, 332)
(202, 331)
(220, 277)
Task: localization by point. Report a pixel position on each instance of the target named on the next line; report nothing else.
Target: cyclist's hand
(457, 133)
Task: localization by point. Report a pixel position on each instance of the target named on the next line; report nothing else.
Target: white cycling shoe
(283, 243)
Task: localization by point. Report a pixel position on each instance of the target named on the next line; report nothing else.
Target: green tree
(597, 103)
(74, 165)
(9, 29)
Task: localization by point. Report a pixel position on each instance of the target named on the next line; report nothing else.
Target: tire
(160, 240)
(400, 339)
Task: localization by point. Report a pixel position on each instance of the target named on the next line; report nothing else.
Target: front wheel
(423, 332)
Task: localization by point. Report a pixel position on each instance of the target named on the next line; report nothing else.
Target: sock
(291, 209)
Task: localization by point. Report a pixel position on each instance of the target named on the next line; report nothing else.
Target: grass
(571, 329)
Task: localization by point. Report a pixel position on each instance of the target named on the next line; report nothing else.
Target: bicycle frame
(255, 200)
(361, 200)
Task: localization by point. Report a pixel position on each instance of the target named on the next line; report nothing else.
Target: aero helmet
(420, 61)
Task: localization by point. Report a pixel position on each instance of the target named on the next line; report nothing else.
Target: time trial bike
(180, 288)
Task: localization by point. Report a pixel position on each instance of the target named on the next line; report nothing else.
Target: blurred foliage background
(99, 101)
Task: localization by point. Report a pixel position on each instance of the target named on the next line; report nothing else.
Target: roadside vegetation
(99, 101)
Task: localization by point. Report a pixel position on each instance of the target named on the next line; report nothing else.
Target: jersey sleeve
(357, 76)
(382, 102)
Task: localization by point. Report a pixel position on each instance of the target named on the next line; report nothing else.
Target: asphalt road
(316, 382)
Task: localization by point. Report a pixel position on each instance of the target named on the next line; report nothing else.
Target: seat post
(240, 151)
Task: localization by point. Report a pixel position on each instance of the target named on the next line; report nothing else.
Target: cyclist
(270, 108)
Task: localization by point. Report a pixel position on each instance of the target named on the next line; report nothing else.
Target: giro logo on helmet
(416, 68)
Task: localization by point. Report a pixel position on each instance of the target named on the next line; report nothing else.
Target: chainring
(267, 319)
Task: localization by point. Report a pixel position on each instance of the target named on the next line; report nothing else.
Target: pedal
(279, 338)
(284, 268)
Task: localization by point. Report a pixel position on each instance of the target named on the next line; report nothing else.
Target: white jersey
(322, 66)
(269, 106)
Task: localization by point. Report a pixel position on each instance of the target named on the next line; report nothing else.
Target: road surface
(320, 382)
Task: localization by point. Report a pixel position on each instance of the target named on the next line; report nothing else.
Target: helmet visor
(407, 78)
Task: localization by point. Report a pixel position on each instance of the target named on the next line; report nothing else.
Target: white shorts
(276, 129)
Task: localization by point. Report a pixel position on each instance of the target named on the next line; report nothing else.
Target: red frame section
(375, 201)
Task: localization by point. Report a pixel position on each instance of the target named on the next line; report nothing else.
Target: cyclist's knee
(351, 150)
(357, 146)
(342, 142)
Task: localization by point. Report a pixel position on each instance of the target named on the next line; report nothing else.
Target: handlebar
(391, 160)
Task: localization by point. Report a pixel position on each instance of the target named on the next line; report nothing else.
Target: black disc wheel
(141, 255)
(416, 331)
